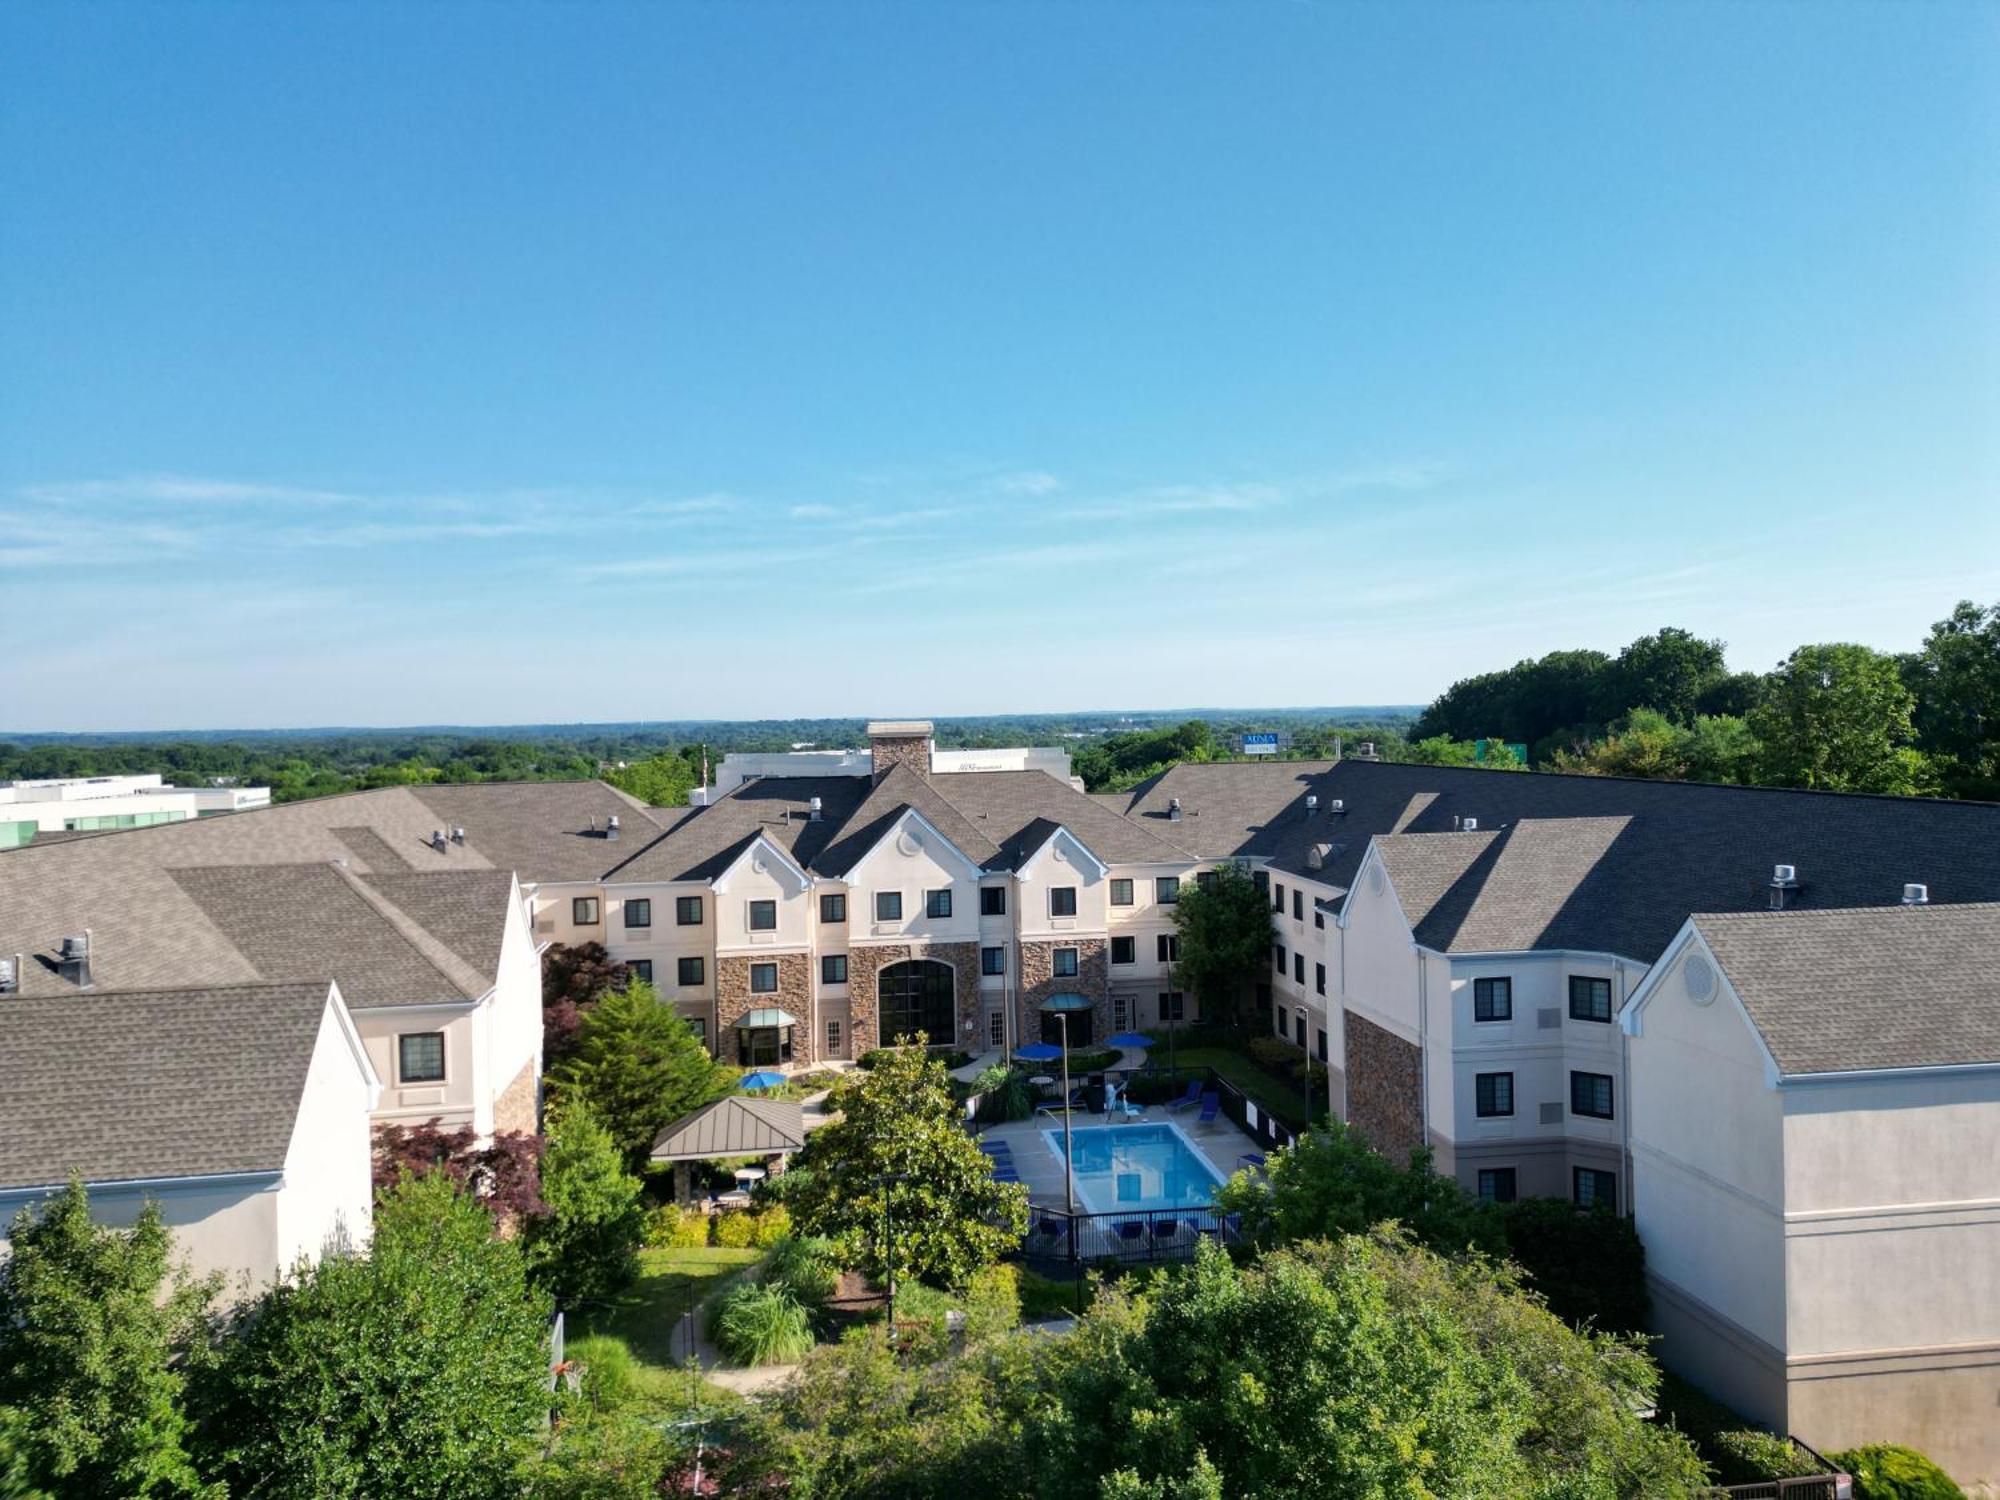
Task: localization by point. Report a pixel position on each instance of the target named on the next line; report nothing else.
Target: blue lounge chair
(1211, 1106)
(1006, 1174)
(1131, 1231)
(996, 1148)
(1190, 1098)
(1166, 1229)
(1251, 1159)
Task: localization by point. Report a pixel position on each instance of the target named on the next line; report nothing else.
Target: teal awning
(769, 1016)
(1067, 1002)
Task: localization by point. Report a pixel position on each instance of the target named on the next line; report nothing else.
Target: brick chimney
(900, 742)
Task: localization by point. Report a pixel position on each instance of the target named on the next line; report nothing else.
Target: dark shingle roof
(1875, 987)
(703, 842)
(544, 830)
(153, 1083)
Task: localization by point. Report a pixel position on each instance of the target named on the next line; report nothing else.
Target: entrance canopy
(1067, 1002)
(769, 1016)
(734, 1127)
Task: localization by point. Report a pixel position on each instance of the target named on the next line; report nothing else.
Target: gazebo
(735, 1126)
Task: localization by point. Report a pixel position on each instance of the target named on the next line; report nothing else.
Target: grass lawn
(1279, 1099)
(643, 1316)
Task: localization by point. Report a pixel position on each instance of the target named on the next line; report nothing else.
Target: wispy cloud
(693, 505)
(390, 533)
(813, 512)
(1032, 482)
(174, 489)
(1178, 500)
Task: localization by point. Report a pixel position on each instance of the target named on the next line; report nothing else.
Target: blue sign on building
(1260, 744)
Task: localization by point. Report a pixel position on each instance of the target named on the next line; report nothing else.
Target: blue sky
(502, 363)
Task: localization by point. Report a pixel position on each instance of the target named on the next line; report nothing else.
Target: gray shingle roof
(704, 841)
(1876, 987)
(153, 1083)
(334, 888)
(735, 1126)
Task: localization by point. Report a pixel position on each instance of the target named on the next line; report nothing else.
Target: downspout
(1423, 1050)
(1625, 1114)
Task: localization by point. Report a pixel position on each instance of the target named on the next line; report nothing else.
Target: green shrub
(756, 1323)
(992, 1302)
(770, 1225)
(1271, 1054)
(608, 1371)
(670, 1227)
(1888, 1471)
(736, 1231)
(1004, 1094)
(1043, 1297)
(778, 1188)
(805, 1267)
(1746, 1456)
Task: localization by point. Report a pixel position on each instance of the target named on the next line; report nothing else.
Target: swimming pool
(1136, 1167)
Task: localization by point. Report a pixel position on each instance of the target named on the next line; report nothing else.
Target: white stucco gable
(909, 835)
(762, 856)
(1689, 970)
(1065, 848)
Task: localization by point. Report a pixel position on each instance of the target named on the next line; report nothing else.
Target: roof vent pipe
(73, 960)
(1472, 825)
(10, 974)
(438, 841)
(1312, 803)
(611, 826)
(1336, 806)
(1916, 895)
(1456, 822)
(457, 834)
(1173, 809)
(1784, 880)
(812, 810)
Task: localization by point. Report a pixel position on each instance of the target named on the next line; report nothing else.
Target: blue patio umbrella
(1129, 1039)
(762, 1080)
(1039, 1052)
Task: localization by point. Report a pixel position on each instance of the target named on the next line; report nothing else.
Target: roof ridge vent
(1916, 894)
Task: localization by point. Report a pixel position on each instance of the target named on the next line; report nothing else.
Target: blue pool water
(1135, 1166)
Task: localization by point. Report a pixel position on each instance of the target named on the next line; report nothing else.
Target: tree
(1332, 1182)
(638, 1067)
(504, 1175)
(1225, 939)
(662, 780)
(94, 1325)
(418, 1370)
(1837, 718)
(1720, 747)
(899, 1118)
(587, 1245)
(1667, 672)
(574, 978)
(1955, 679)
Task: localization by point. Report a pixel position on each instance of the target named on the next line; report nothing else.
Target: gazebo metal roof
(735, 1126)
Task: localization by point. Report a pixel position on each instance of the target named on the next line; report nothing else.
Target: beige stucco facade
(1824, 1252)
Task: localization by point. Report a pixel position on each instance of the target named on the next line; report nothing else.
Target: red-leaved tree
(504, 1176)
(573, 977)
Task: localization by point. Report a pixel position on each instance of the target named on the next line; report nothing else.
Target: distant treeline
(658, 762)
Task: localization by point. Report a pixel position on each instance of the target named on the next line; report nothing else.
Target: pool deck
(1219, 1143)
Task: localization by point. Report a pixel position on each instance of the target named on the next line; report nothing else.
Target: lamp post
(889, 1181)
(1069, 1180)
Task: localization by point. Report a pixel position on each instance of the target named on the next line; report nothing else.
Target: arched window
(917, 995)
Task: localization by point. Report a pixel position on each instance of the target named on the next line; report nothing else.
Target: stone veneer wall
(914, 752)
(516, 1109)
(864, 962)
(1039, 981)
(733, 1001)
(1383, 1082)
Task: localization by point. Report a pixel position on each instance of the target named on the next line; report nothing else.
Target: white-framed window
(1062, 900)
(888, 906)
(763, 916)
(1117, 1012)
(1121, 893)
(996, 1029)
(584, 911)
(833, 1038)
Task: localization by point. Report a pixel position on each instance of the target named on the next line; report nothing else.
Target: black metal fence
(1133, 1237)
(1159, 1087)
